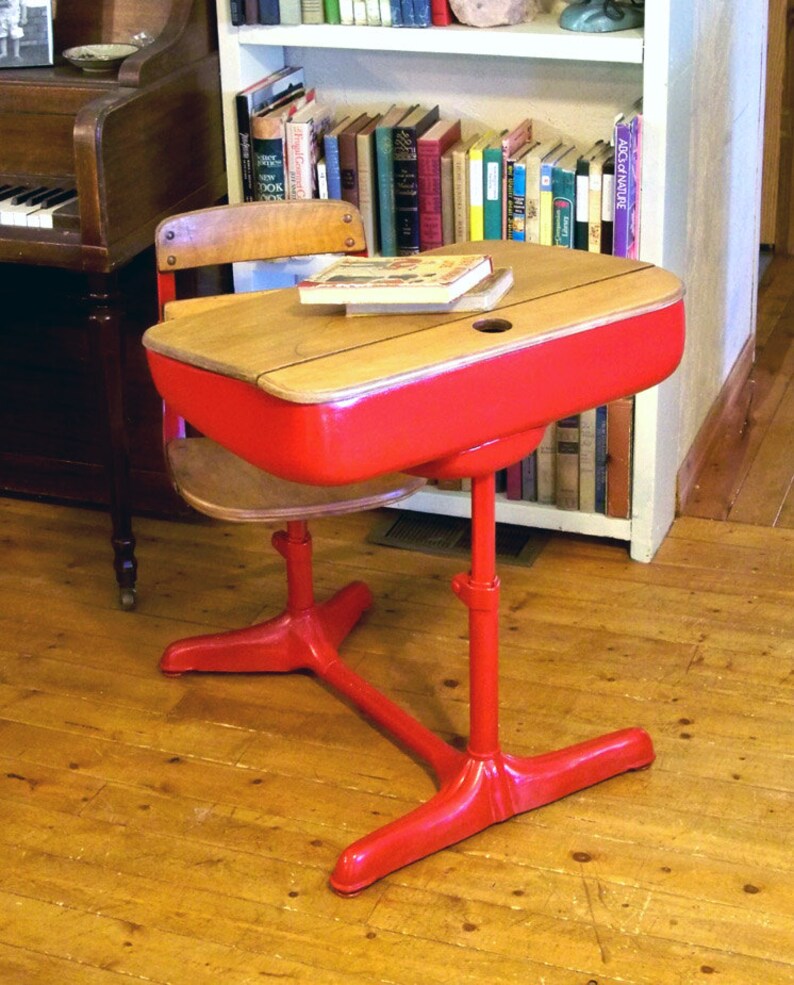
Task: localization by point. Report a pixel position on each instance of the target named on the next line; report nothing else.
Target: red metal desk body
(346, 399)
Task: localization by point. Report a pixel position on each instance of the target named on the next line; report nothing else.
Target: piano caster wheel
(127, 598)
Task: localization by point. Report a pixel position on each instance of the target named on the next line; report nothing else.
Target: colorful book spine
(476, 187)
(547, 466)
(441, 13)
(408, 18)
(518, 209)
(563, 190)
(348, 159)
(406, 178)
(622, 189)
(368, 184)
(607, 203)
(620, 418)
(581, 224)
(333, 13)
(546, 228)
(384, 163)
(332, 169)
(312, 12)
(396, 13)
(268, 12)
(447, 199)
(429, 148)
(601, 459)
(423, 16)
(492, 190)
(304, 137)
(460, 187)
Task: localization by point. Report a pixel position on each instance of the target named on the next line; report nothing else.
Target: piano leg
(105, 310)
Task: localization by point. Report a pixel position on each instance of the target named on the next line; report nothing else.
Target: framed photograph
(25, 33)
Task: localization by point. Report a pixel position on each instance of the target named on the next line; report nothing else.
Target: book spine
(360, 12)
(246, 154)
(332, 170)
(440, 13)
(567, 493)
(601, 459)
(581, 235)
(513, 487)
(532, 193)
(428, 153)
(492, 193)
(633, 248)
(620, 416)
(406, 184)
(333, 13)
(346, 15)
(322, 179)
(546, 230)
(373, 13)
(519, 209)
(408, 19)
(290, 11)
(385, 13)
(460, 191)
(367, 188)
(547, 466)
(396, 13)
(422, 13)
(348, 168)
(529, 478)
(251, 11)
(268, 12)
(594, 208)
(587, 461)
(298, 147)
(312, 12)
(236, 13)
(607, 206)
(563, 206)
(384, 160)
(447, 200)
(270, 160)
(620, 242)
(476, 201)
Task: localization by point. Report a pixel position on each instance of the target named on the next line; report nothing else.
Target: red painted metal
(397, 429)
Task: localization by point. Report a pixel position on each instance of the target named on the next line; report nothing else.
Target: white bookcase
(702, 91)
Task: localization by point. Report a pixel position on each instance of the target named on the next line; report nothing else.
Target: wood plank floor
(181, 831)
(749, 476)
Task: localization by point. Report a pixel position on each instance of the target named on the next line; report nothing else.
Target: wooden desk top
(312, 354)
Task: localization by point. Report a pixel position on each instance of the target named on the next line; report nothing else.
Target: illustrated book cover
(484, 296)
(395, 280)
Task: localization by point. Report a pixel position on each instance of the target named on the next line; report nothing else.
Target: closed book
(567, 493)
(447, 198)
(460, 186)
(492, 188)
(476, 178)
(633, 250)
(441, 13)
(322, 179)
(348, 158)
(312, 12)
(547, 466)
(268, 12)
(305, 129)
(429, 148)
(331, 151)
(587, 461)
(625, 144)
(408, 18)
(534, 161)
(251, 11)
(563, 190)
(395, 280)
(513, 481)
(236, 13)
(594, 193)
(529, 478)
(254, 98)
(581, 229)
(607, 203)
(346, 15)
(517, 192)
(512, 141)
(406, 177)
(484, 296)
(385, 13)
(423, 16)
(601, 459)
(333, 14)
(368, 183)
(396, 13)
(290, 11)
(373, 13)
(547, 163)
(620, 423)
(384, 157)
(269, 132)
(360, 12)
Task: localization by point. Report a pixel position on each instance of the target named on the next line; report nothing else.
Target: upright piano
(122, 150)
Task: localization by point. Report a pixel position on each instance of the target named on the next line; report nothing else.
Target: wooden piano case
(78, 419)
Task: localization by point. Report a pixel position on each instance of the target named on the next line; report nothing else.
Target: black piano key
(63, 196)
(14, 190)
(22, 197)
(43, 197)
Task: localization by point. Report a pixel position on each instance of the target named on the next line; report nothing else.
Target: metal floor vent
(451, 535)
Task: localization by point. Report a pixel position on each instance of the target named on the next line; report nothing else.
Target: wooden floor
(749, 476)
(181, 831)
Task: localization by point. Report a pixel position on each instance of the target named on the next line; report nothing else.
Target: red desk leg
(487, 785)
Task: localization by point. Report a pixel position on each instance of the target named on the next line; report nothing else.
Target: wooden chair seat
(218, 483)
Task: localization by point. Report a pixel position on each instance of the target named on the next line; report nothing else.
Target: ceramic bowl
(99, 57)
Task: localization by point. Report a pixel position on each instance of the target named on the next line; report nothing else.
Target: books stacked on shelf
(373, 13)
(395, 281)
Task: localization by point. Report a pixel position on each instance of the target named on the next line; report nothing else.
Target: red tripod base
(482, 792)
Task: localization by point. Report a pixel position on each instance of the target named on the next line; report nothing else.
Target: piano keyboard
(39, 206)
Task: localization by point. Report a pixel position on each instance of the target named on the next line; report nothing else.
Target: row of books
(419, 184)
(377, 13)
(583, 463)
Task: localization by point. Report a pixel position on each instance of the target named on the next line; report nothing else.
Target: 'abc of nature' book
(397, 280)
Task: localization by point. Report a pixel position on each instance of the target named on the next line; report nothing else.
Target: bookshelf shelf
(540, 38)
(700, 222)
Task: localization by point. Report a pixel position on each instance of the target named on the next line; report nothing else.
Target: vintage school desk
(313, 396)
